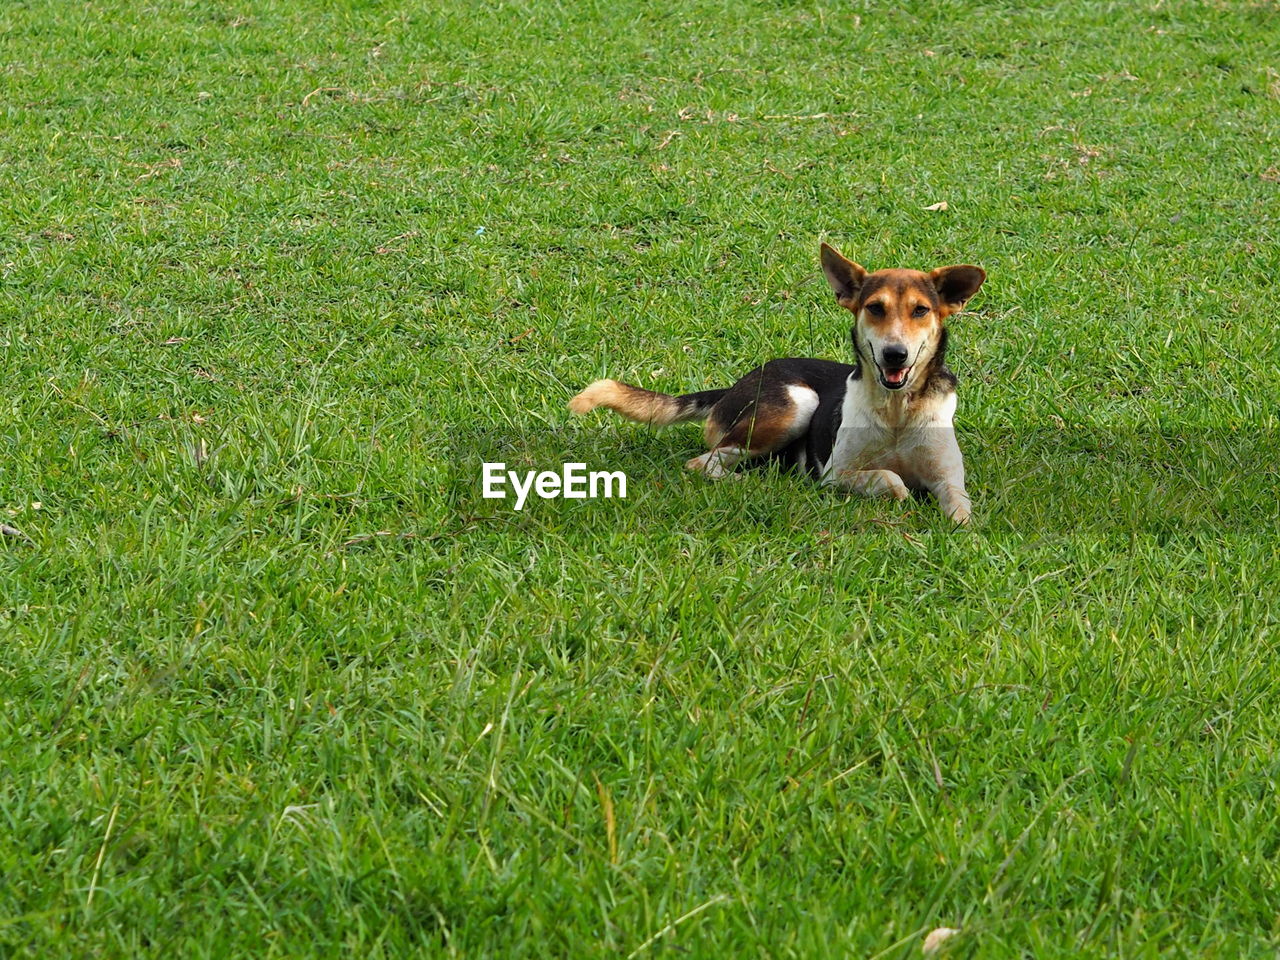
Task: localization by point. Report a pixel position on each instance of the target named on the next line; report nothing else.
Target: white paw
(891, 485)
(955, 503)
(710, 464)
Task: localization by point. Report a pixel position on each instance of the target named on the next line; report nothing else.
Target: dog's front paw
(873, 483)
(893, 485)
(955, 504)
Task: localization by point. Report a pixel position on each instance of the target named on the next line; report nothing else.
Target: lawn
(275, 679)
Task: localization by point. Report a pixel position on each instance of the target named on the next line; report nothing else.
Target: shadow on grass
(1079, 479)
(1073, 480)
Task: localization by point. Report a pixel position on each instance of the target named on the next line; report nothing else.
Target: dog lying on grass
(881, 427)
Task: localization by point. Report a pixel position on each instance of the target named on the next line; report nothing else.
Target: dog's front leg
(872, 483)
(953, 500)
(940, 466)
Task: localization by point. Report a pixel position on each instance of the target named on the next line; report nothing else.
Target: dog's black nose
(894, 355)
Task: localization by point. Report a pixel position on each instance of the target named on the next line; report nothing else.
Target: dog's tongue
(896, 376)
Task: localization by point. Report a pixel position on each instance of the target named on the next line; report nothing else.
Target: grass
(276, 681)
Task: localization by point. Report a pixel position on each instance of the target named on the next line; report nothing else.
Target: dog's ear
(845, 276)
(955, 285)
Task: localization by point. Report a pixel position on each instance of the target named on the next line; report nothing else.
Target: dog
(882, 426)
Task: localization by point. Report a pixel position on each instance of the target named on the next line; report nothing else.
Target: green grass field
(276, 681)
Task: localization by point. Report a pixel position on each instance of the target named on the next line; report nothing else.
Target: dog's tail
(645, 406)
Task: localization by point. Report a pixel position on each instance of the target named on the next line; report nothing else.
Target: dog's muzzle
(893, 366)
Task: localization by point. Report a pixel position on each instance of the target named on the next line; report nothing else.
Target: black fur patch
(876, 282)
(765, 389)
(692, 405)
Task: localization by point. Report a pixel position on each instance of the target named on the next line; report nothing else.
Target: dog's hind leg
(754, 420)
(718, 462)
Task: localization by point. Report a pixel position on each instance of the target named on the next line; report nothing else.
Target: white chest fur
(912, 436)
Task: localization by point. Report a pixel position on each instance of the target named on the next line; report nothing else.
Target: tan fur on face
(900, 305)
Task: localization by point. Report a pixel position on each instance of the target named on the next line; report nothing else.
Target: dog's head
(899, 313)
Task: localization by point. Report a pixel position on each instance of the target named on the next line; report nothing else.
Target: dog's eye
(876, 309)
(920, 311)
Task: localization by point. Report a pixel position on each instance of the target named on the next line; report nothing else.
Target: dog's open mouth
(895, 379)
